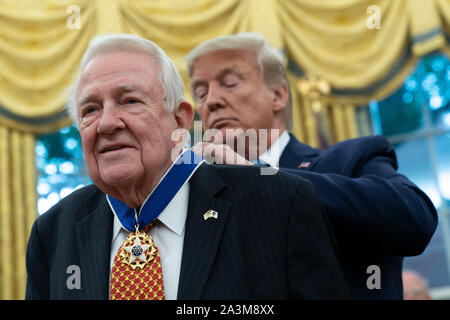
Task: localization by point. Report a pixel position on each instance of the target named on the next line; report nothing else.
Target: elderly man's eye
(89, 110)
(131, 101)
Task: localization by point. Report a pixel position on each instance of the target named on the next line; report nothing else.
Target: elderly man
(378, 215)
(158, 223)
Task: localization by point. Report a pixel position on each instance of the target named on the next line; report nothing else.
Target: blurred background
(356, 68)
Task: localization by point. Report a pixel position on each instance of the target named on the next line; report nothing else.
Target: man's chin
(231, 132)
(117, 177)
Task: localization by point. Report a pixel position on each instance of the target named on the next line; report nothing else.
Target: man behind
(378, 215)
(154, 226)
(415, 287)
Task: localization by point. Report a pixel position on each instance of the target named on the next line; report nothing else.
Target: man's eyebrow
(219, 75)
(124, 88)
(120, 89)
(88, 98)
(227, 70)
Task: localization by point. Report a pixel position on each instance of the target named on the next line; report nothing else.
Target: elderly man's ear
(184, 115)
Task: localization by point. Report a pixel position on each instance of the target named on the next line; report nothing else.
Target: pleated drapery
(17, 208)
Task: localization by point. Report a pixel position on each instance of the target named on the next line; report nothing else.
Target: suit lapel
(202, 237)
(297, 155)
(94, 234)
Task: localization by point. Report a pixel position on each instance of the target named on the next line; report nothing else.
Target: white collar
(174, 215)
(273, 154)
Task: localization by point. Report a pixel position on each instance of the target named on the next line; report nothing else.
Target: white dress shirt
(273, 154)
(168, 235)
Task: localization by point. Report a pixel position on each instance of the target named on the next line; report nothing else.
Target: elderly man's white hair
(269, 59)
(169, 77)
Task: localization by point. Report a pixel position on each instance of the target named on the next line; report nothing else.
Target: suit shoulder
(373, 141)
(364, 145)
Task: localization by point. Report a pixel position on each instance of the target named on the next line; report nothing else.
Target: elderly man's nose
(110, 120)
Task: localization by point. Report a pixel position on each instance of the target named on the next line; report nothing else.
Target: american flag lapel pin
(304, 165)
(210, 214)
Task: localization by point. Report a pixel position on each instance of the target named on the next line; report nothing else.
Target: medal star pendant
(138, 250)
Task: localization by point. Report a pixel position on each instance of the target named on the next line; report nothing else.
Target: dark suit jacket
(378, 215)
(271, 240)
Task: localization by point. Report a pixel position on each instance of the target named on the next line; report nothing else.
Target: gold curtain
(363, 49)
(444, 11)
(332, 40)
(39, 54)
(339, 41)
(38, 58)
(17, 208)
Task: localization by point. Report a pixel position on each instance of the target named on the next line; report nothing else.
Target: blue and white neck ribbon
(175, 178)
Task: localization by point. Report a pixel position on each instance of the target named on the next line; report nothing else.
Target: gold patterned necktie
(137, 273)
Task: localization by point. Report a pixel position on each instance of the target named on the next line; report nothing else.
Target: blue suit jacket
(378, 215)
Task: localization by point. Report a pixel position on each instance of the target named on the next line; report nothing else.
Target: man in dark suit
(160, 223)
(378, 215)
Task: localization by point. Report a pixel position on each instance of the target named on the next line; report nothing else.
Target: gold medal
(138, 249)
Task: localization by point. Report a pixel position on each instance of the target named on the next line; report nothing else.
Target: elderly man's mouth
(114, 149)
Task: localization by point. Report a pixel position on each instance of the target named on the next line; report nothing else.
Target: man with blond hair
(240, 89)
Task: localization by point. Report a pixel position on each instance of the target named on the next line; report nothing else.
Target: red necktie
(136, 273)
